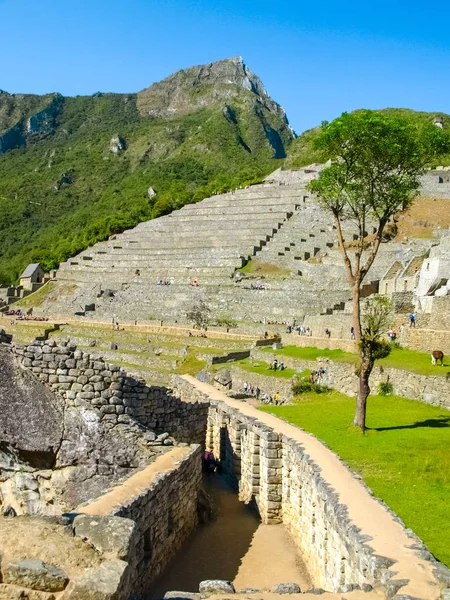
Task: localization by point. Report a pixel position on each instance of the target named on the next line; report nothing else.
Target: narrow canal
(234, 546)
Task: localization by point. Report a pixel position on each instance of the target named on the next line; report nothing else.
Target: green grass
(262, 368)
(311, 353)
(417, 362)
(36, 298)
(191, 365)
(404, 457)
(399, 358)
(258, 267)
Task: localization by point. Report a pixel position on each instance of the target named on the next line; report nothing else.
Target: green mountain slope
(302, 153)
(75, 170)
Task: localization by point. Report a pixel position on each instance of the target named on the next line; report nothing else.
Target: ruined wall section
(165, 514)
(341, 376)
(108, 425)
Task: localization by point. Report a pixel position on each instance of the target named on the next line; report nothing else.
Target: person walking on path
(412, 319)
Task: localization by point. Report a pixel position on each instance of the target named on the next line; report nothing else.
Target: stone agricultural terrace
(277, 226)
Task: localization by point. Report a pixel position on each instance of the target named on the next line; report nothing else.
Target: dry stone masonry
(276, 472)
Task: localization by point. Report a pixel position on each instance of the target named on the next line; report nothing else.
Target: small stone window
(170, 523)
(147, 545)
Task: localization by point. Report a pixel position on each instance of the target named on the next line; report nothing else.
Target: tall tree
(376, 164)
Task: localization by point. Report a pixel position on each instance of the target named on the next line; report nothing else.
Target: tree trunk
(356, 292)
(361, 399)
(366, 362)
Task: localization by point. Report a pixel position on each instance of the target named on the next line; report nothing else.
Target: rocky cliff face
(194, 88)
(25, 118)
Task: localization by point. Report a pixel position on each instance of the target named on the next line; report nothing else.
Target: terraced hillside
(261, 253)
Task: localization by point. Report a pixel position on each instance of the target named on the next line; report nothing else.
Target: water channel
(234, 546)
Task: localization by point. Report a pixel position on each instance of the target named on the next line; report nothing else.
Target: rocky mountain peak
(196, 87)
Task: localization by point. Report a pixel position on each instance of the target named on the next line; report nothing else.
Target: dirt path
(271, 543)
(133, 486)
(388, 537)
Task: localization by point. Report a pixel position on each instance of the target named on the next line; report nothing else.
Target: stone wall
(341, 376)
(116, 398)
(274, 465)
(74, 425)
(164, 512)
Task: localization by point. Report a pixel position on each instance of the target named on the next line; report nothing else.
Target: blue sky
(315, 59)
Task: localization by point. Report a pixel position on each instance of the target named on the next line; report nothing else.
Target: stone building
(33, 277)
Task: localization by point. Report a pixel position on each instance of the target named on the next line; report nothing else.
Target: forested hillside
(81, 170)
(302, 152)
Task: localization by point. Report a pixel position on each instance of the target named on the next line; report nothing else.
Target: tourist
(275, 364)
(328, 333)
(352, 333)
(282, 367)
(209, 462)
(245, 387)
(277, 397)
(402, 328)
(412, 319)
(257, 393)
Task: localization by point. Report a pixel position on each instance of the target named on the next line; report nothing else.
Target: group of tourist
(20, 316)
(257, 286)
(276, 366)
(261, 397)
(317, 376)
(163, 282)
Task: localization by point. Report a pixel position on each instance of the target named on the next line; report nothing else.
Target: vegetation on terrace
(263, 368)
(404, 457)
(399, 358)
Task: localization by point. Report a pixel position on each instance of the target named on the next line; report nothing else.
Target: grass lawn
(262, 368)
(404, 457)
(259, 267)
(399, 358)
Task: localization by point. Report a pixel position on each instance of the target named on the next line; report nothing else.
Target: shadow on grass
(438, 423)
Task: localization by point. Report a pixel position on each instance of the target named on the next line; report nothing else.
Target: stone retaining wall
(164, 514)
(341, 376)
(82, 379)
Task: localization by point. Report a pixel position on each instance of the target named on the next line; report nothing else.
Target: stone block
(98, 583)
(111, 536)
(35, 574)
(286, 588)
(216, 586)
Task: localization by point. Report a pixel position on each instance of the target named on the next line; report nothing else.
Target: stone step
(132, 262)
(197, 209)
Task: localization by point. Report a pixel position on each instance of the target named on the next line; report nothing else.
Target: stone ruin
(100, 486)
(74, 429)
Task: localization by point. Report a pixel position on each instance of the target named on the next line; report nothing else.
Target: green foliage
(377, 161)
(403, 456)
(385, 388)
(303, 386)
(303, 151)
(199, 314)
(376, 315)
(226, 321)
(185, 159)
